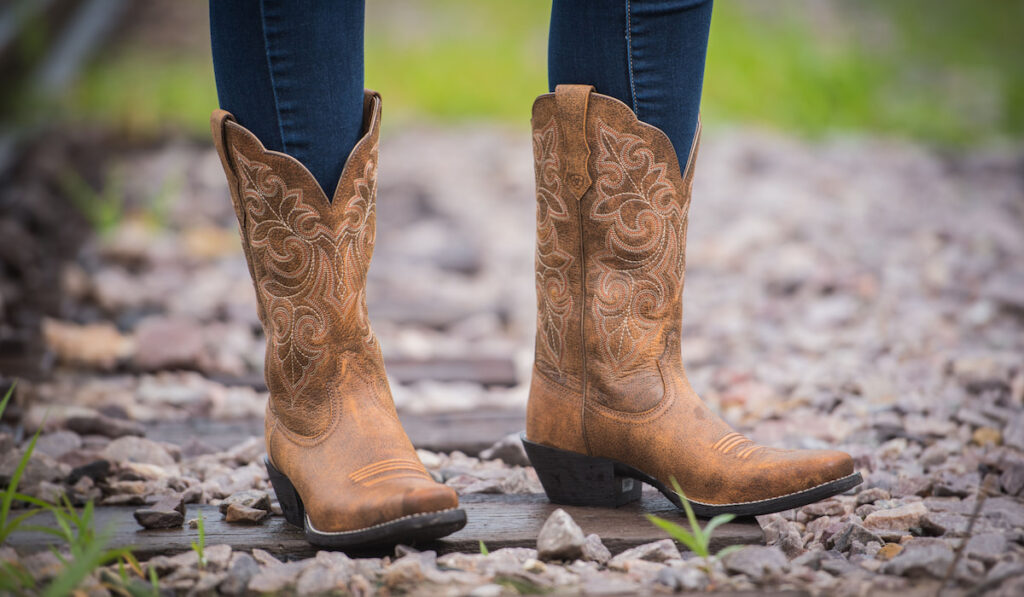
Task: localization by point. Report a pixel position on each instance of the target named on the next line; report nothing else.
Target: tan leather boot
(340, 462)
(610, 404)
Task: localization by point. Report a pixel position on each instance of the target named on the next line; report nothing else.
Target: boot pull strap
(218, 130)
(571, 101)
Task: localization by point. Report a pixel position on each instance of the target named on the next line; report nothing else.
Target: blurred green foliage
(946, 72)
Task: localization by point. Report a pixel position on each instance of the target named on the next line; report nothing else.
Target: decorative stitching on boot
(370, 474)
(554, 300)
(307, 272)
(376, 526)
(639, 270)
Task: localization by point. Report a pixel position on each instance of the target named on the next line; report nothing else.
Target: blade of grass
(698, 535)
(716, 522)
(676, 532)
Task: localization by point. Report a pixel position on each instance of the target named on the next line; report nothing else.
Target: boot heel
(291, 503)
(579, 480)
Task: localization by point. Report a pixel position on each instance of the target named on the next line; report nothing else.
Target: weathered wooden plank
(468, 432)
(487, 371)
(497, 520)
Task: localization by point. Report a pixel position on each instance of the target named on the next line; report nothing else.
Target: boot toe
(428, 498)
(811, 468)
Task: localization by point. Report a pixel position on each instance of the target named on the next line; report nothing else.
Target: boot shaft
(308, 258)
(612, 205)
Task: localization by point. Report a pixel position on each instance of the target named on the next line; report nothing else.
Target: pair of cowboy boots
(610, 407)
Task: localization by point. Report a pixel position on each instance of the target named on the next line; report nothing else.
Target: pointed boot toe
(822, 466)
(429, 498)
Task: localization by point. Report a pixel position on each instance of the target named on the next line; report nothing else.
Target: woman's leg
(291, 71)
(647, 53)
(610, 406)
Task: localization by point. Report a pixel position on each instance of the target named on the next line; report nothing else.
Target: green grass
(697, 539)
(144, 92)
(944, 72)
(79, 547)
(199, 546)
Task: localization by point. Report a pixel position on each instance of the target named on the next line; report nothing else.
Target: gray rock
(244, 514)
(1013, 433)
(138, 449)
(250, 498)
(168, 343)
(1012, 479)
(100, 424)
(1005, 511)
(893, 523)
(682, 578)
(58, 443)
(872, 495)
(275, 579)
(207, 583)
(945, 523)
(782, 533)
(241, 570)
(488, 590)
(756, 561)
(912, 485)
(560, 538)
(830, 507)
(509, 449)
(862, 512)
(658, 551)
(319, 580)
(956, 485)
(96, 470)
(265, 558)
(921, 560)
(1004, 570)
(853, 532)
(42, 565)
(167, 513)
(411, 570)
(337, 561)
(987, 547)
(40, 468)
(836, 565)
(594, 550)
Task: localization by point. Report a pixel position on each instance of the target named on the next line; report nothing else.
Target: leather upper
(331, 425)
(610, 264)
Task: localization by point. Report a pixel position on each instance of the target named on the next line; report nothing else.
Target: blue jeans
(291, 71)
(647, 53)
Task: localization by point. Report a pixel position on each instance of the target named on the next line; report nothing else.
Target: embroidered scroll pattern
(554, 300)
(311, 276)
(639, 269)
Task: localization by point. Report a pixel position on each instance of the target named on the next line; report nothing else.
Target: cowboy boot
(610, 406)
(338, 458)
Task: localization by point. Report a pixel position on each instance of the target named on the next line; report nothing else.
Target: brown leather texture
(331, 425)
(608, 378)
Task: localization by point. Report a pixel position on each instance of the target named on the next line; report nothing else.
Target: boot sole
(408, 530)
(578, 480)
